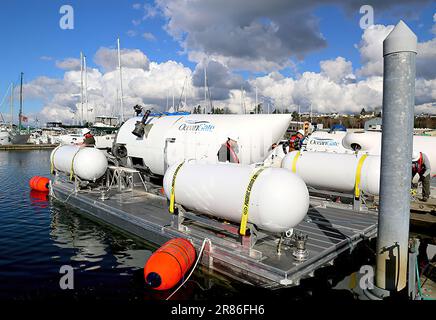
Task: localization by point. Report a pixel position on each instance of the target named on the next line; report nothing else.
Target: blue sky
(29, 30)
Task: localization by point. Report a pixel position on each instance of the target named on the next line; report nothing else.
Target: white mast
(12, 104)
(205, 88)
(255, 110)
(121, 81)
(81, 88)
(86, 88)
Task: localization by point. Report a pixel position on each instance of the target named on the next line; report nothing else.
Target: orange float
(39, 183)
(168, 265)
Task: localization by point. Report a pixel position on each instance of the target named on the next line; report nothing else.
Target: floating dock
(260, 259)
(28, 147)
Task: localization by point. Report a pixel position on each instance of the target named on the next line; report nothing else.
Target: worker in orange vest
(421, 170)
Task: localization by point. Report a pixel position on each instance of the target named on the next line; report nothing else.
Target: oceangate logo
(193, 125)
(324, 142)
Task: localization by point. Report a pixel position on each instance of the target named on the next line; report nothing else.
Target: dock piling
(399, 52)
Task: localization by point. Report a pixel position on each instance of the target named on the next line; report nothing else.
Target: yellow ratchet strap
(72, 164)
(358, 174)
(244, 218)
(294, 162)
(173, 183)
(52, 159)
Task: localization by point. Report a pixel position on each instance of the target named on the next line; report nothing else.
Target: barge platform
(260, 259)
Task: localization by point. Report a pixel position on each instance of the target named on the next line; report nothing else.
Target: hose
(200, 253)
(419, 284)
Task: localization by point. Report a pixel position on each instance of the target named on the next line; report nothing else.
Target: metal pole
(20, 114)
(205, 87)
(399, 52)
(121, 81)
(86, 88)
(81, 88)
(256, 102)
(12, 105)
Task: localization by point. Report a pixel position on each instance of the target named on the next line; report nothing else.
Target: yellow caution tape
(358, 174)
(294, 162)
(244, 218)
(173, 183)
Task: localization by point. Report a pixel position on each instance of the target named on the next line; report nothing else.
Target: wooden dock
(27, 147)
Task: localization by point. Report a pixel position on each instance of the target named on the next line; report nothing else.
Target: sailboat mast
(255, 108)
(12, 104)
(81, 88)
(121, 81)
(205, 88)
(20, 114)
(86, 88)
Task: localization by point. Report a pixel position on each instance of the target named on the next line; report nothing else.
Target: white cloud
(130, 58)
(148, 36)
(371, 52)
(338, 70)
(68, 64)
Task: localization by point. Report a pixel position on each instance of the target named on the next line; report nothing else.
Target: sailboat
(17, 137)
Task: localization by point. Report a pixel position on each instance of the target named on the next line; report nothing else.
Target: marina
(175, 169)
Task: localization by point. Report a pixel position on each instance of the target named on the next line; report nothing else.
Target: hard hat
(415, 156)
(233, 136)
(85, 131)
(301, 131)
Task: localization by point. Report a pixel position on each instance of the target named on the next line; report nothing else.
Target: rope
(200, 253)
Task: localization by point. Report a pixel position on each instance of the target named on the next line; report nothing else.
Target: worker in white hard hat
(296, 140)
(88, 138)
(229, 149)
(421, 170)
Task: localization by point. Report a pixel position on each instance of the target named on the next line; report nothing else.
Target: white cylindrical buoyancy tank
(370, 143)
(86, 163)
(171, 139)
(335, 171)
(326, 142)
(219, 190)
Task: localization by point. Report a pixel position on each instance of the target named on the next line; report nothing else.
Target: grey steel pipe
(399, 53)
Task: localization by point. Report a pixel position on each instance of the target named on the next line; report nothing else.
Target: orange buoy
(39, 183)
(168, 265)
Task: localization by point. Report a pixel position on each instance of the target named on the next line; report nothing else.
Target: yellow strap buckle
(244, 218)
(173, 183)
(358, 175)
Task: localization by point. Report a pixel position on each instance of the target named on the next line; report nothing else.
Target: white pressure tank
(171, 139)
(279, 199)
(371, 143)
(322, 141)
(85, 162)
(335, 171)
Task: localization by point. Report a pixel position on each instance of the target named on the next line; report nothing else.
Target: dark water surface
(38, 236)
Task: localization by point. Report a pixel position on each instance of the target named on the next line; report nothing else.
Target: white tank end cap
(400, 39)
